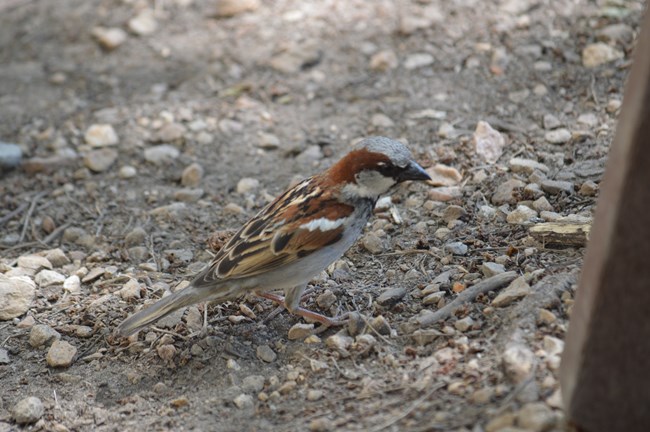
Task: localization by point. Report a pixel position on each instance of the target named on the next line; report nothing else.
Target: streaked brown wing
(273, 238)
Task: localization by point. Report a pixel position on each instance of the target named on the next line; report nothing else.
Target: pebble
(501, 423)
(522, 215)
(57, 257)
(100, 135)
(253, 383)
(488, 142)
(247, 185)
(170, 132)
(166, 351)
(326, 299)
(558, 136)
(517, 289)
(27, 322)
(456, 248)
(372, 243)
(300, 331)
(266, 354)
(545, 316)
(232, 208)
(10, 155)
(179, 402)
(109, 38)
(130, 290)
(424, 337)
(594, 55)
(16, 295)
(383, 61)
(189, 194)
(230, 8)
(192, 175)
(287, 387)
(296, 56)
(418, 60)
(28, 410)
(268, 141)
(536, 417)
(518, 362)
(506, 192)
(46, 278)
(33, 262)
(618, 33)
(314, 395)
(551, 122)
(322, 424)
(490, 269)
(452, 213)
(42, 334)
(60, 354)
(391, 296)
(127, 172)
(380, 325)
(588, 188)
(464, 324)
(613, 105)
(433, 298)
(526, 166)
(553, 345)
(244, 401)
(541, 204)
(588, 119)
(339, 342)
(143, 23)
(381, 121)
(161, 154)
(486, 212)
(443, 175)
(555, 187)
(100, 160)
(4, 357)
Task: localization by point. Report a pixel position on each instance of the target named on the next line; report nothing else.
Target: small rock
(613, 105)
(502, 423)
(551, 122)
(46, 278)
(268, 141)
(300, 331)
(339, 342)
(4, 357)
(189, 194)
(464, 324)
(42, 334)
(443, 175)
(456, 248)
(232, 208)
(486, 212)
(230, 8)
(253, 383)
(553, 345)
(287, 387)
(383, 60)
(244, 401)
(10, 155)
(517, 289)
(61, 354)
(452, 213)
(356, 323)
(143, 23)
(27, 322)
(136, 237)
(506, 192)
(588, 119)
(57, 257)
(247, 185)
(100, 160)
(488, 142)
(314, 395)
(326, 299)
(297, 56)
(490, 269)
(599, 53)
(588, 188)
(433, 298)
(424, 337)
(161, 154)
(526, 166)
(372, 243)
(541, 204)
(381, 121)
(322, 424)
(72, 284)
(618, 33)
(34, 262)
(179, 402)
(555, 187)
(391, 296)
(518, 362)
(266, 354)
(130, 290)
(28, 410)
(545, 316)
(16, 295)
(100, 135)
(558, 136)
(127, 172)
(380, 325)
(166, 352)
(418, 60)
(536, 417)
(170, 132)
(109, 38)
(522, 215)
(192, 175)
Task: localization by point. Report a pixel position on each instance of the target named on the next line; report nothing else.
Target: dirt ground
(275, 92)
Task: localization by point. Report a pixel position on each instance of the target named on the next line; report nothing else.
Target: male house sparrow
(296, 236)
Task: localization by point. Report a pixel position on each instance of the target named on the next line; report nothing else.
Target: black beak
(413, 171)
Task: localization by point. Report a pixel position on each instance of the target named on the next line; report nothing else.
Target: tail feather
(166, 305)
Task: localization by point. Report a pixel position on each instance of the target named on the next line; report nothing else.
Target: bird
(296, 236)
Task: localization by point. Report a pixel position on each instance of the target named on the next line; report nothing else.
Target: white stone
(161, 154)
(130, 290)
(418, 60)
(517, 289)
(100, 135)
(143, 23)
(518, 362)
(109, 38)
(558, 136)
(45, 278)
(247, 185)
(526, 166)
(522, 215)
(488, 142)
(16, 295)
(599, 53)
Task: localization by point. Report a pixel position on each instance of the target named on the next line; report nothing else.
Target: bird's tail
(166, 305)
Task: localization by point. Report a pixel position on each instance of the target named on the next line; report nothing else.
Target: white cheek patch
(323, 224)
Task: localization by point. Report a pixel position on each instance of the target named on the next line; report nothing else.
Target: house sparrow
(296, 236)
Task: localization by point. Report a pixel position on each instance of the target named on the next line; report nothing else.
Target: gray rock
(541, 204)
(192, 175)
(536, 417)
(558, 136)
(266, 354)
(598, 54)
(391, 296)
(551, 122)
(506, 192)
(57, 257)
(136, 237)
(170, 132)
(4, 357)
(418, 60)
(555, 187)
(490, 269)
(100, 160)
(456, 248)
(161, 154)
(10, 155)
(521, 215)
(253, 383)
(526, 166)
(247, 185)
(244, 401)
(452, 213)
(372, 243)
(46, 278)
(42, 334)
(16, 296)
(462, 325)
(61, 354)
(28, 410)
(100, 135)
(517, 289)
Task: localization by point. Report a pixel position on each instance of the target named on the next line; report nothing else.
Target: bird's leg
(291, 302)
